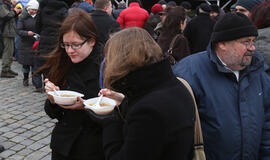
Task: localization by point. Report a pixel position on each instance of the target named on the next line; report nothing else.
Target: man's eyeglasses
(248, 44)
(73, 46)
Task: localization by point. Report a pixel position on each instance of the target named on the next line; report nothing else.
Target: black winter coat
(76, 135)
(151, 24)
(26, 53)
(105, 25)
(159, 117)
(51, 14)
(198, 32)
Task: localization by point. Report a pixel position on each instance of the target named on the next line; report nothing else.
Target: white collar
(236, 73)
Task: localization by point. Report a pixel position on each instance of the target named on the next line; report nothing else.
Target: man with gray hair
(232, 91)
(104, 22)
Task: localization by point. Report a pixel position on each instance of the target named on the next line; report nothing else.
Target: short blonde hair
(128, 50)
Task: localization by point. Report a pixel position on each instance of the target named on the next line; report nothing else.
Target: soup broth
(101, 104)
(67, 95)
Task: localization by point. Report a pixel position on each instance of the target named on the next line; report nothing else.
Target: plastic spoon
(55, 92)
(97, 105)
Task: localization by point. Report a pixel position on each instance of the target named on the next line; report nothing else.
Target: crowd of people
(135, 57)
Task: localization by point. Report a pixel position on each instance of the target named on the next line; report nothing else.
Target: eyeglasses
(248, 44)
(73, 46)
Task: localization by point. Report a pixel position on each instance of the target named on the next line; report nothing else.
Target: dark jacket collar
(85, 70)
(257, 63)
(144, 79)
(99, 12)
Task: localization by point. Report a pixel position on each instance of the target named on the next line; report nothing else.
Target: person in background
(133, 16)
(232, 92)
(104, 22)
(163, 16)
(188, 9)
(232, 8)
(154, 126)
(260, 16)
(173, 28)
(163, 3)
(8, 15)
(245, 6)
(198, 31)
(17, 4)
(171, 4)
(26, 29)
(74, 65)
(49, 17)
(153, 20)
(86, 7)
(215, 11)
(116, 12)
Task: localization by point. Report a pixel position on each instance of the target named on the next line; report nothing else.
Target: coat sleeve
(53, 110)
(142, 132)
(20, 28)
(265, 142)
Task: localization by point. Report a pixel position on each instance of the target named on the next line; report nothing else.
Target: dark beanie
(248, 4)
(171, 3)
(233, 26)
(186, 5)
(214, 8)
(162, 2)
(205, 7)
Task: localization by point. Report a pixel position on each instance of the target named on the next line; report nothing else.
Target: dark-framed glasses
(73, 46)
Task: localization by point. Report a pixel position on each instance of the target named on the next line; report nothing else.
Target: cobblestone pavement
(25, 129)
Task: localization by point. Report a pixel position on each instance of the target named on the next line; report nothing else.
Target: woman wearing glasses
(74, 65)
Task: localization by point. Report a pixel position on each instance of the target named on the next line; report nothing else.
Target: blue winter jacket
(235, 116)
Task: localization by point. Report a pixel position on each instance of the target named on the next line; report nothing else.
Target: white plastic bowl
(106, 105)
(65, 100)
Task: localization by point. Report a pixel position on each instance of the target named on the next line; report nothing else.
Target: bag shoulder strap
(198, 139)
(172, 44)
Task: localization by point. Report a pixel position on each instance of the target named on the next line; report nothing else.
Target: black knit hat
(205, 7)
(233, 26)
(248, 4)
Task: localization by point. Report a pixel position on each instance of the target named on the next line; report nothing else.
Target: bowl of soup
(106, 105)
(65, 97)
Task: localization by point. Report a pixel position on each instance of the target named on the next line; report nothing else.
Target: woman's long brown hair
(58, 63)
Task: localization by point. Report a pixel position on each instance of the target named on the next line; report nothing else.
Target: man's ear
(221, 45)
